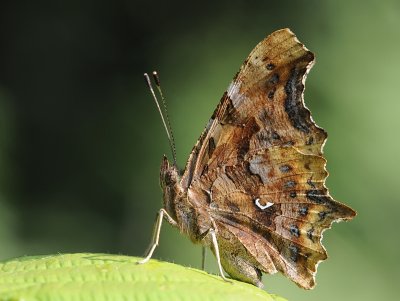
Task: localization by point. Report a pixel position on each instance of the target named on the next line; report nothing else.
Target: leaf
(88, 276)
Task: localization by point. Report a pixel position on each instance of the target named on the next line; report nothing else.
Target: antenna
(167, 125)
(157, 80)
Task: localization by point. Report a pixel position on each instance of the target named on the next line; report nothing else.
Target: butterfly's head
(170, 184)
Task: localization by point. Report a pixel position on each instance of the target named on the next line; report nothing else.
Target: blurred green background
(81, 141)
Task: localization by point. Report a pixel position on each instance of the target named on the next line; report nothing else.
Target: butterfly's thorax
(192, 220)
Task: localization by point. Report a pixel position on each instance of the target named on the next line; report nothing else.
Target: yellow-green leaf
(87, 276)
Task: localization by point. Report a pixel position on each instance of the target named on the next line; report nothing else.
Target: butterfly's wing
(258, 166)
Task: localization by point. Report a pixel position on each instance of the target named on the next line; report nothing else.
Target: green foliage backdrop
(81, 141)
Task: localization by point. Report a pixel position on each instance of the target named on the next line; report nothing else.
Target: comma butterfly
(253, 189)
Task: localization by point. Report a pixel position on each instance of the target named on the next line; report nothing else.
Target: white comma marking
(262, 207)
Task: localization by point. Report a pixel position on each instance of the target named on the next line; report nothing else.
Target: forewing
(261, 147)
(269, 88)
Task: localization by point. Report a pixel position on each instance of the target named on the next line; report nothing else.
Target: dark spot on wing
(322, 215)
(288, 144)
(285, 168)
(233, 207)
(303, 211)
(310, 234)
(309, 56)
(214, 205)
(294, 230)
(294, 253)
(270, 66)
(310, 141)
(299, 116)
(290, 184)
(275, 136)
(267, 235)
(318, 197)
(293, 194)
(274, 79)
(307, 165)
(271, 93)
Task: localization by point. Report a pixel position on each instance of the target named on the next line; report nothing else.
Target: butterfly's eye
(169, 178)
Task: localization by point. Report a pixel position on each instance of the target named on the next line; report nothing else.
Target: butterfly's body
(193, 214)
(253, 187)
(189, 218)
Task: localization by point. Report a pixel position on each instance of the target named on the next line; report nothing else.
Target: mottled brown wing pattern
(262, 147)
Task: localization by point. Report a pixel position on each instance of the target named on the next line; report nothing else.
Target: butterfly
(253, 189)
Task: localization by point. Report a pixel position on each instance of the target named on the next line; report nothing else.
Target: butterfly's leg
(203, 257)
(216, 249)
(156, 234)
